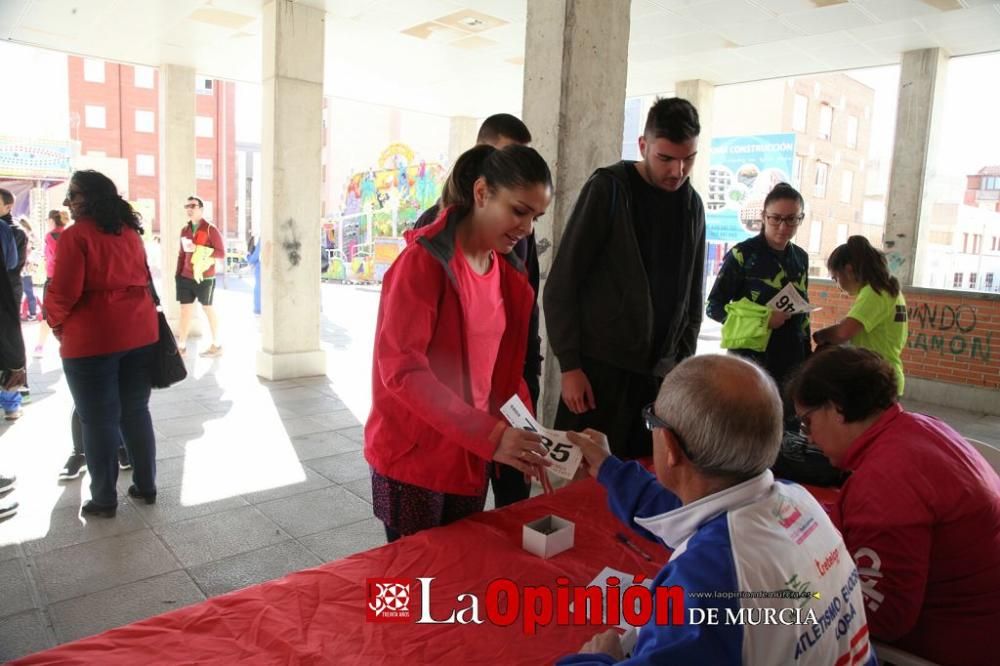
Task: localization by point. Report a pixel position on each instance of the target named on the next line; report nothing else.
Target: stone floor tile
(218, 535)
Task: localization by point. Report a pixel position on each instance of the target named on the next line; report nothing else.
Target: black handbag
(800, 461)
(167, 367)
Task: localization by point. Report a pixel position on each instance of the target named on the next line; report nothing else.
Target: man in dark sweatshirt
(623, 300)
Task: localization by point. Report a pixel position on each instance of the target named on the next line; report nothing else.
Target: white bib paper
(790, 301)
(565, 455)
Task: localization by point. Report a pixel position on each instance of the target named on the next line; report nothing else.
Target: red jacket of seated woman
(423, 429)
(98, 301)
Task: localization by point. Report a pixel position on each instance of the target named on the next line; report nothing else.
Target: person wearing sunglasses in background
(201, 246)
(756, 270)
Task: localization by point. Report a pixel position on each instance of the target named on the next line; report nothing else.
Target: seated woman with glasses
(877, 319)
(920, 512)
(755, 271)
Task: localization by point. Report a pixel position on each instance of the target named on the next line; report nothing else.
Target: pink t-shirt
(485, 321)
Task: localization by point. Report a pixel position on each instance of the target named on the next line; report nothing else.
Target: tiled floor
(255, 480)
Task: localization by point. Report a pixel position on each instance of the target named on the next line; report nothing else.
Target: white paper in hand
(565, 455)
(790, 301)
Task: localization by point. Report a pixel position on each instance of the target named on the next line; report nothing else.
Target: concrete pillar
(291, 160)
(702, 94)
(462, 132)
(575, 64)
(921, 92)
(177, 178)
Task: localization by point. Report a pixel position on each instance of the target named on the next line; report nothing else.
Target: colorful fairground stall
(380, 204)
(29, 168)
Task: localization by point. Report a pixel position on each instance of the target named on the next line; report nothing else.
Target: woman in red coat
(99, 306)
(450, 344)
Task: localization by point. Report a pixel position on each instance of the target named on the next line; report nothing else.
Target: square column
(462, 132)
(290, 155)
(702, 94)
(575, 65)
(177, 177)
(921, 90)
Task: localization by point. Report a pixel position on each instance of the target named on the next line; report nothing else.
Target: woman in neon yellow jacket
(877, 320)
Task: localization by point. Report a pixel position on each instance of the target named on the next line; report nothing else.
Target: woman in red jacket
(99, 306)
(450, 343)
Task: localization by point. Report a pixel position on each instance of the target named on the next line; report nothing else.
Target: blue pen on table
(628, 542)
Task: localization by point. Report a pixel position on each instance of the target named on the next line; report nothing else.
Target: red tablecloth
(317, 616)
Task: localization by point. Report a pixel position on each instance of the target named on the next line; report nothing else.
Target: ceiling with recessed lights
(465, 57)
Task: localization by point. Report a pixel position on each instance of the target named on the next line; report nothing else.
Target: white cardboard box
(548, 536)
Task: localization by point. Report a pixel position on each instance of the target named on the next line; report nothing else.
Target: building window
(94, 116)
(144, 76)
(988, 285)
(965, 243)
(204, 126)
(994, 244)
(825, 121)
(799, 113)
(819, 188)
(991, 183)
(145, 121)
(972, 280)
(957, 282)
(846, 186)
(145, 165)
(852, 131)
(977, 243)
(797, 171)
(203, 168)
(93, 70)
(815, 236)
(841, 234)
(203, 85)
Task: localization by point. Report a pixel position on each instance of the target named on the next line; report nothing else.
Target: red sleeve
(887, 528)
(67, 283)
(217, 242)
(408, 319)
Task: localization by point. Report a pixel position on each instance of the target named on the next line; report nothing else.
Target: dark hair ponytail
(102, 202)
(781, 192)
(464, 173)
(869, 265)
(510, 167)
(57, 219)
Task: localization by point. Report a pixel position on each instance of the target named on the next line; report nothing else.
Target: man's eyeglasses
(805, 421)
(789, 220)
(653, 422)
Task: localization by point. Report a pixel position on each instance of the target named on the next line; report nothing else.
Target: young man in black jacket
(623, 300)
(499, 130)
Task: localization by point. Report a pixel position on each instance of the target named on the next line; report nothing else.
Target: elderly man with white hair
(733, 530)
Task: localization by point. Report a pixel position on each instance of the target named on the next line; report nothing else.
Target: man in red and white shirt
(200, 240)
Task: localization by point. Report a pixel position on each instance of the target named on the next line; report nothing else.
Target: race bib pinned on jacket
(790, 301)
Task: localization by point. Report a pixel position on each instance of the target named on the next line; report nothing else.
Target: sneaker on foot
(212, 352)
(7, 509)
(25, 396)
(75, 465)
(123, 460)
(7, 483)
(13, 414)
